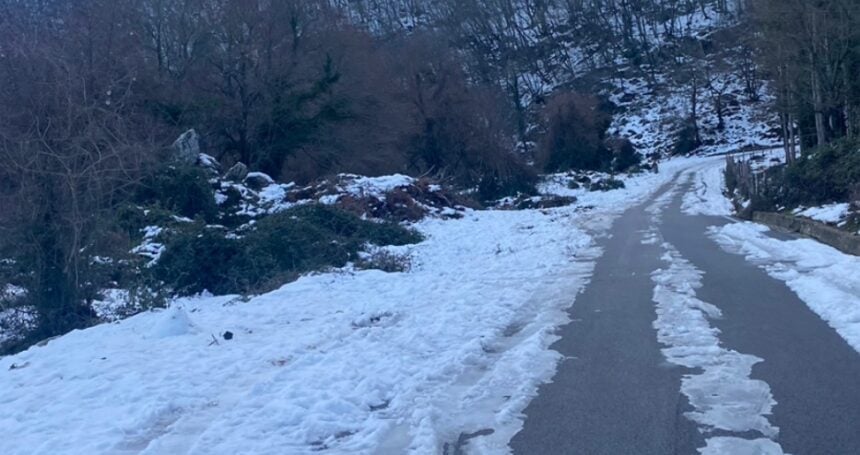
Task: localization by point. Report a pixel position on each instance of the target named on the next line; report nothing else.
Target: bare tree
(68, 152)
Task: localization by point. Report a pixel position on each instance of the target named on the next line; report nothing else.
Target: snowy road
(700, 334)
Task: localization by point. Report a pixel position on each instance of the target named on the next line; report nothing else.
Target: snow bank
(830, 213)
(823, 277)
(706, 197)
(374, 186)
(349, 361)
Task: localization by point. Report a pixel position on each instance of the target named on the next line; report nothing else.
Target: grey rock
(258, 180)
(210, 164)
(237, 173)
(186, 148)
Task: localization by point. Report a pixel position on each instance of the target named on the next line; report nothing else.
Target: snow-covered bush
(606, 184)
(386, 261)
(272, 251)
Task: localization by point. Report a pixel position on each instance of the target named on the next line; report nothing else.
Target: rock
(186, 148)
(237, 173)
(228, 335)
(627, 98)
(209, 163)
(258, 180)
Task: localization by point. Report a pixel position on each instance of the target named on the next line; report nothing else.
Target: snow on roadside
(829, 213)
(353, 362)
(356, 362)
(706, 197)
(827, 280)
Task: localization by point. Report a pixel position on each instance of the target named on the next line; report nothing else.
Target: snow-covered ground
(828, 213)
(353, 361)
(648, 115)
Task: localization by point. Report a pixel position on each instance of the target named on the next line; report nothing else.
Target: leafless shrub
(386, 261)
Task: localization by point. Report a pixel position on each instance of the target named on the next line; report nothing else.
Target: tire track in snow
(726, 400)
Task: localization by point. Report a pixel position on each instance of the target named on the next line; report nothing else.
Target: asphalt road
(616, 394)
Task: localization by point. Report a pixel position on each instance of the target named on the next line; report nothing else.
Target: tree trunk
(818, 106)
(792, 139)
(786, 136)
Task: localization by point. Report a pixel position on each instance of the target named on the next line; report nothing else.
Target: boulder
(186, 148)
(237, 173)
(258, 180)
(209, 163)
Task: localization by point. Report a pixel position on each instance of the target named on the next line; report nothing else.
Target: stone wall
(841, 240)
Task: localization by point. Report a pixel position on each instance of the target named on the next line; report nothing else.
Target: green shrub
(131, 218)
(826, 176)
(198, 258)
(184, 190)
(274, 250)
(386, 261)
(231, 213)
